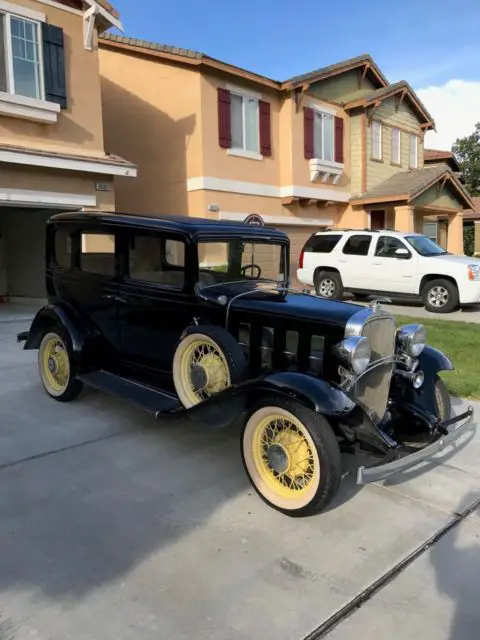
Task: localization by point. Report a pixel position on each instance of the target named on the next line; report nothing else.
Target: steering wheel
(251, 266)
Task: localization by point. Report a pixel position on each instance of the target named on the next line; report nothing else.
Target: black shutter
(54, 64)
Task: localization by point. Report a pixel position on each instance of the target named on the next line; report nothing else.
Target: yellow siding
(406, 120)
(342, 88)
(356, 154)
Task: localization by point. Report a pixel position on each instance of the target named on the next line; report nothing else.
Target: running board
(151, 400)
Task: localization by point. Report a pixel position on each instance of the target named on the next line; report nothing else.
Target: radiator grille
(372, 389)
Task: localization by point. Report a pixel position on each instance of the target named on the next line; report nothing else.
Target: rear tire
(329, 285)
(291, 457)
(440, 296)
(56, 366)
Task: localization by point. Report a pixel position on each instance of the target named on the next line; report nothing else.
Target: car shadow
(456, 565)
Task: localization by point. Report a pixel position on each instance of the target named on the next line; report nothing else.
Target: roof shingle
(338, 66)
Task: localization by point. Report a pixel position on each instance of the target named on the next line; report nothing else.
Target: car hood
(299, 306)
(452, 259)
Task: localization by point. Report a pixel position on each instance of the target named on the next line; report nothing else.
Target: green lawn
(461, 342)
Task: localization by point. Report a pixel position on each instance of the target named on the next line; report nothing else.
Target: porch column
(404, 218)
(476, 242)
(455, 234)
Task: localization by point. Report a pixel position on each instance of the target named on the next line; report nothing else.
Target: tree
(467, 152)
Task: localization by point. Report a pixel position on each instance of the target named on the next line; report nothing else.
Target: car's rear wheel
(443, 401)
(328, 284)
(291, 456)
(56, 366)
(440, 296)
(207, 360)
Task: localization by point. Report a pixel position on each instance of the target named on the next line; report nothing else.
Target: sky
(433, 44)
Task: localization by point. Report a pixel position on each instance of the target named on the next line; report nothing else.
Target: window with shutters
(376, 140)
(245, 120)
(20, 57)
(323, 136)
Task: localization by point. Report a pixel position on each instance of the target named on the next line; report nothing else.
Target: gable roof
(408, 185)
(473, 214)
(435, 155)
(364, 60)
(375, 97)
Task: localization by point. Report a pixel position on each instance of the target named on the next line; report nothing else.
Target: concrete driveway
(114, 525)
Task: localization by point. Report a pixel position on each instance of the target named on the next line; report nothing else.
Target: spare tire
(207, 360)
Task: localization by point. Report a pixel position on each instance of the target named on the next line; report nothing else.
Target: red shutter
(224, 124)
(338, 139)
(265, 129)
(308, 133)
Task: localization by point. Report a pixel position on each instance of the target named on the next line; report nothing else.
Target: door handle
(114, 298)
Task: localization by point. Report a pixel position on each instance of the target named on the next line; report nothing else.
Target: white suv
(388, 262)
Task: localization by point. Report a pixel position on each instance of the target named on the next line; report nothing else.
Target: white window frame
(397, 160)
(324, 113)
(7, 12)
(243, 151)
(413, 151)
(379, 124)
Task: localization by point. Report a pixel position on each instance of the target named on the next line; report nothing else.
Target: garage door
(23, 237)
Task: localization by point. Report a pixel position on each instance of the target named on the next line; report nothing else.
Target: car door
(91, 284)
(353, 260)
(392, 272)
(156, 306)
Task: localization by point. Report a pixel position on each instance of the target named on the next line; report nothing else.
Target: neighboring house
(339, 146)
(52, 154)
(471, 218)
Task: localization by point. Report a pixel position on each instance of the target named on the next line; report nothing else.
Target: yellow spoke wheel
(292, 457)
(205, 364)
(55, 367)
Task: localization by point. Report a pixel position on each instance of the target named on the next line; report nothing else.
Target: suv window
(322, 244)
(97, 253)
(357, 245)
(157, 259)
(386, 247)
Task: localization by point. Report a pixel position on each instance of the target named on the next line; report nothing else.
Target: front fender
(315, 393)
(62, 316)
(431, 361)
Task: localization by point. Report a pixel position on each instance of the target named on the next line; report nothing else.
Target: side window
(97, 253)
(63, 248)
(357, 245)
(322, 243)
(386, 247)
(158, 260)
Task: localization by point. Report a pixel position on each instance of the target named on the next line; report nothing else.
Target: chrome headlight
(355, 353)
(411, 339)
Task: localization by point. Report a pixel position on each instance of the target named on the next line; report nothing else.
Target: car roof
(387, 232)
(189, 225)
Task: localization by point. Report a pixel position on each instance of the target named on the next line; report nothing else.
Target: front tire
(443, 402)
(291, 457)
(440, 296)
(56, 368)
(328, 284)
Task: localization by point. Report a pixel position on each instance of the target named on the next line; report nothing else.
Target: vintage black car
(189, 317)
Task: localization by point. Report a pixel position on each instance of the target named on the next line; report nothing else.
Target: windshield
(424, 246)
(234, 260)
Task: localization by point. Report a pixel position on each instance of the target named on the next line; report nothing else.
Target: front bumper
(459, 425)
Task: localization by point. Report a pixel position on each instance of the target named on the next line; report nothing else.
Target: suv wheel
(440, 296)
(328, 284)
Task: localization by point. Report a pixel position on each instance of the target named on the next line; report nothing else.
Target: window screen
(97, 253)
(158, 260)
(357, 245)
(322, 243)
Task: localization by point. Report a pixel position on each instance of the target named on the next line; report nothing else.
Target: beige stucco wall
(152, 116)
(79, 128)
(404, 119)
(353, 218)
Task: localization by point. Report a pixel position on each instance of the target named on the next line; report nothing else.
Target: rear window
(63, 248)
(322, 243)
(357, 245)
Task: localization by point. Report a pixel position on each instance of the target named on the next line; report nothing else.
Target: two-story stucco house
(339, 146)
(52, 153)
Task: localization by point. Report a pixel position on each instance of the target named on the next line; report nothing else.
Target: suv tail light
(300, 260)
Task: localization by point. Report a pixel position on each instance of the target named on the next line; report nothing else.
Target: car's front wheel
(440, 296)
(56, 367)
(328, 284)
(291, 456)
(443, 403)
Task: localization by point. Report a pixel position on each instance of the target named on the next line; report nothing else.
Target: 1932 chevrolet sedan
(195, 318)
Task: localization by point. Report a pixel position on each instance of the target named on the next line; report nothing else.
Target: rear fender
(57, 315)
